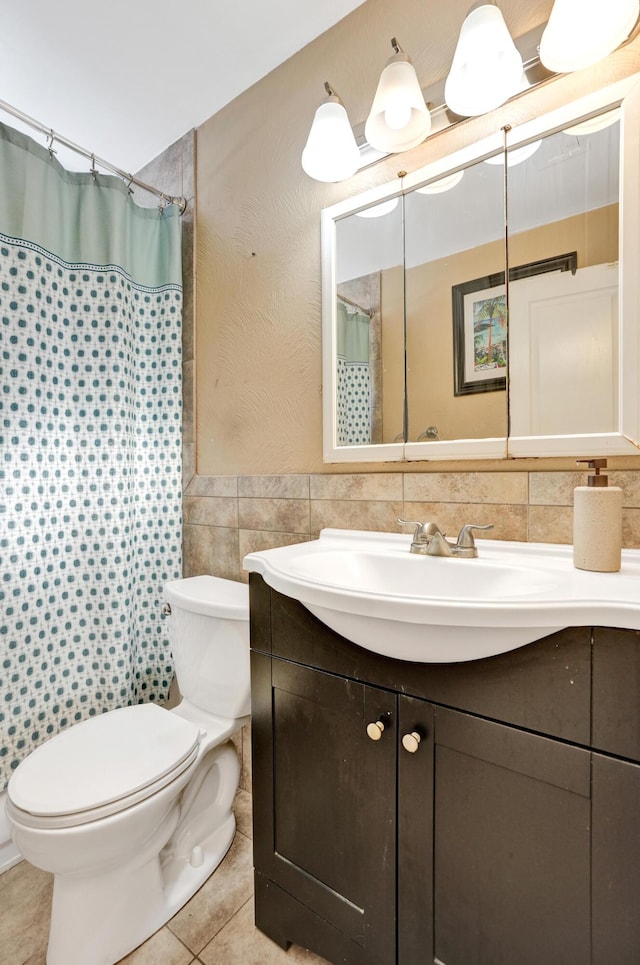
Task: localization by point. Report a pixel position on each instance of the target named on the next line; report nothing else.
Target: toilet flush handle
(166, 610)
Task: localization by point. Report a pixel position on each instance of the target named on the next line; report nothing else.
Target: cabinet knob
(411, 742)
(375, 730)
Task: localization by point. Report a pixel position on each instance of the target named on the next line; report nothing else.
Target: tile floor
(214, 928)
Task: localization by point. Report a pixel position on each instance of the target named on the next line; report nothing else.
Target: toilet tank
(208, 628)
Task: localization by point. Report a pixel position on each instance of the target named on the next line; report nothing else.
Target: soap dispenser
(597, 522)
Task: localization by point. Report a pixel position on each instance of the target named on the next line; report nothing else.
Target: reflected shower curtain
(90, 443)
(353, 377)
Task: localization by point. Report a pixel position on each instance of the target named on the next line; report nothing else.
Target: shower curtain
(90, 444)
(353, 377)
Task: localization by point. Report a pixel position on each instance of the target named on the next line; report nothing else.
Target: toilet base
(105, 922)
(99, 918)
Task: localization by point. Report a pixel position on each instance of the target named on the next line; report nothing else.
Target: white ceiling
(126, 79)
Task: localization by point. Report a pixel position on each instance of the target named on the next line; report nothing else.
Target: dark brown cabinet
(478, 828)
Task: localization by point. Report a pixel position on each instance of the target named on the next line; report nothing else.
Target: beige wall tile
(188, 377)
(277, 515)
(466, 487)
(554, 488)
(551, 524)
(509, 522)
(290, 486)
(210, 511)
(252, 541)
(629, 483)
(354, 514)
(213, 486)
(211, 549)
(631, 528)
(369, 486)
(188, 464)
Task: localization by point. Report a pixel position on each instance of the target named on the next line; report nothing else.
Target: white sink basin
(371, 590)
(407, 575)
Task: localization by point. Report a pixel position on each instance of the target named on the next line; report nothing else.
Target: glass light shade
(378, 210)
(581, 32)
(331, 152)
(594, 124)
(515, 155)
(399, 118)
(442, 184)
(487, 68)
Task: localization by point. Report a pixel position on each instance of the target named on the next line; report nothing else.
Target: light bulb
(398, 119)
(397, 114)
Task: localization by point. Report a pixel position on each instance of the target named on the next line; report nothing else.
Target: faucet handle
(423, 531)
(465, 536)
(412, 522)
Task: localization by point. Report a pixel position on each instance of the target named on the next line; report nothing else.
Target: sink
(418, 576)
(371, 590)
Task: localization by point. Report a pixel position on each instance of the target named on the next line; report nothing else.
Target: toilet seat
(102, 766)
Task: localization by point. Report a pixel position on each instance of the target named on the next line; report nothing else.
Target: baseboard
(9, 854)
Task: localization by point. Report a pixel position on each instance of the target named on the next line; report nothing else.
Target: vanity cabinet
(494, 834)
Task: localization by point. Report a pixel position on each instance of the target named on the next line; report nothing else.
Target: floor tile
(163, 948)
(242, 808)
(218, 899)
(25, 900)
(240, 943)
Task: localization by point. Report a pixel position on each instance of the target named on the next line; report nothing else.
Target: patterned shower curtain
(90, 444)
(353, 377)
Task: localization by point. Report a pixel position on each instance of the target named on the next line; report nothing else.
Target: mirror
(455, 243)
(465, 358)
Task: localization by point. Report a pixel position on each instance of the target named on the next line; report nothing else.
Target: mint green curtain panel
(90, 445)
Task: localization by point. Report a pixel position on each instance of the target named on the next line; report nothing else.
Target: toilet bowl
(132, 810)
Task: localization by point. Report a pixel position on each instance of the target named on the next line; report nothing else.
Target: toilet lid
(102, 760)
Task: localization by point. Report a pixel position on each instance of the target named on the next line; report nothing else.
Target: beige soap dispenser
(597, 522)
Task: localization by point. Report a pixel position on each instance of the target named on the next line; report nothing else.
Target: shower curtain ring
(52, 137)
(129, 183)
(94, 170)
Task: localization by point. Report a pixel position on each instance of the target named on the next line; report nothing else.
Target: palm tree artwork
(489, 333)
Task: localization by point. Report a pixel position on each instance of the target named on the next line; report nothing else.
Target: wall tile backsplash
(226, 517)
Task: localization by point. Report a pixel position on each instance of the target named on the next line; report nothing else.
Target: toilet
(132, 810)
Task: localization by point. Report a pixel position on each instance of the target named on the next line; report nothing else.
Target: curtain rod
(365, 311)
(53, 137)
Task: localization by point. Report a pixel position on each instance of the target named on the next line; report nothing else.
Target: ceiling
(126, 79)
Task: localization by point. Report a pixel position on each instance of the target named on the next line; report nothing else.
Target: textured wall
(258, 254)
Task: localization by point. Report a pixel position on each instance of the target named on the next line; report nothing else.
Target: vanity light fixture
(399, 118)
(331, 152)
(487, 68)
(581, 32)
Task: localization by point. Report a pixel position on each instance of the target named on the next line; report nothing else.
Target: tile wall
(226, 517)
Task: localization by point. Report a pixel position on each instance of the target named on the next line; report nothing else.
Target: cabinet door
(511, 846)
(415, 831)
(616, 861)
(325, 793)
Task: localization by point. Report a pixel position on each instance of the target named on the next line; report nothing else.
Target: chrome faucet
(429, 540)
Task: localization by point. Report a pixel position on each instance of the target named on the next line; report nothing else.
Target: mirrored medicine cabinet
(486, 305)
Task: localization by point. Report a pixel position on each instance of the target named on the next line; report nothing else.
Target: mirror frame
(625, 439)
